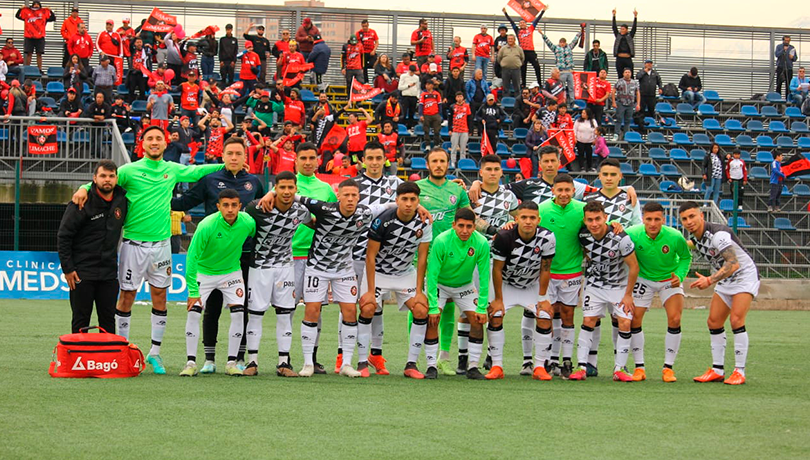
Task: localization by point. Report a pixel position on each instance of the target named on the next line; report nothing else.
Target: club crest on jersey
(622, 207)
(471, 252)
(712, 252)
(419, 233)
(665, 249)
(239, 292)
(248, 186)
(219, 235)
(536, 250)
(354, 290)
(296, 221)
(506, 205)
(359, 223)
(117, 213)
(389, 190)
(453, 199)
(612, 253)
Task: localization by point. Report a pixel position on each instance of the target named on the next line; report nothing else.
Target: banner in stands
(42, 140)
(361, 92)
(38, 275)
(159, 21)
(583, 83)
(527, 9)
(797, 165)
(564, 139)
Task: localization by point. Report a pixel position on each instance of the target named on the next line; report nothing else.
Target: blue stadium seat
(785, 142)
(49, 102)
(679, 155)
(502, 135)
(444, 132)
(139, 106)
(55, 87)
(701, 139)
(648, 170)
(616, 152)
(467, 164)
(804, 143)
(682, 139)
(711, 124)
(402, 130)
(217, 76)
(741, 223)
(38, 86)
(627, 169)
(580, 104)
(632, 137)
(724, 140)
(794, 112)
(707, 110)
(774, 97)
(664, 108)
(749, 111)
(501, 149)
(451, 177)
(669, 170)
(650, 123)
(712, 96)
(85, 89)
(597, 183)
(82, 137)
(758, 172)
(308, 96)
(31, 71)
(418, 130)
(508, 102)
(657, 153)
(777, 127)
(474, 147)
(744, 140)
(770, 112)
(727, 205)
(667, 186)
(764, 157)
(520, 133)
(55, 73)
(745, 156)
(670, 123)
(697, 155)
(785, 191)
(128, 138)
(122, 90)
(520, 150)
(764, 141)
(657, 138)
(733, 125)
(447, 145)
(799, 127)
(419, 163)
(684, 109)
(801, 190)
(783, 223)
(755, 126)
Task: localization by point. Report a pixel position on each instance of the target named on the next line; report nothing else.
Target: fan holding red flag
(361, 92)
(797, 165)
(210, 30)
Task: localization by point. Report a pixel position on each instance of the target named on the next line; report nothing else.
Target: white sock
(567, 336)
(584, 345)
(527, 325)
(672, 343)
(284, 331)
(158, 328)
(496, 339)
(595, 339)
(235, 331)
(340, 329)
(740, 349)
(476, 346)
(417, 337)
(309, 332)
(377, 330)
(122, 319)
(363, 339)
(193, 332)
(556, 341)
(542, 346)
(463, 338)
(254, 335)
(349, 336)
(622, 350)
(431, 351)
(637, 345)
(718, 338)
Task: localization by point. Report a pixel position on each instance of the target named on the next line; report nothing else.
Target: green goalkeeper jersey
(442, 201)
(452, 263)
(565, 223)
(659, 258)
(310, 187)
(149, 185)
(216, 247)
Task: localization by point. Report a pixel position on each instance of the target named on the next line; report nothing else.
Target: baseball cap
(490, 97)
(433, 66)
(126, 20)
(265, 93)
(260, 27)
(192, 72)
(352, 39)
(110, 21)
(484, 26)
(183, 118)
(71, 90)
(75, 9)
(502, 26)
(648, 60)
(288, 122)
(248, 44)
(534, 85)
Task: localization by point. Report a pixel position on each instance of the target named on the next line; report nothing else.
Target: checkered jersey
(274, 233)
(538, 190)
(495, 207)
(523, 258)
(717, 167)
(718, 237)
(606, 268)
(618, 208)
(374, 191)
(334, 234)
(398, 241)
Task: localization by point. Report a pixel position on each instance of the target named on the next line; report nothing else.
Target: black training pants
(102, 293)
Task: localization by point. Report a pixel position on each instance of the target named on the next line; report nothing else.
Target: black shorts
(34, 44)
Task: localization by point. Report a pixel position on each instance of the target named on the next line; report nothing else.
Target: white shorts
(514, 297)
(565, 291)
(150, 260)
(603, 302)
(230, 285)
(404, 287)
(645, 290)
(271, 286)
(465, 297)
(726, 293)
(316, 286)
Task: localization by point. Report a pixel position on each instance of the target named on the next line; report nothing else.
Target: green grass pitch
(217, 417)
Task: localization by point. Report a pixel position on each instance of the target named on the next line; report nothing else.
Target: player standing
(737, 279)
(146, 250)
(272, 276)
(213, 262)
(454, 256)
(664, 260)
(611, 274)
(395, 238)
(521, 273)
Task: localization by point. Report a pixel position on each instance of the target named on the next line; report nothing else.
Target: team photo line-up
(431, 245)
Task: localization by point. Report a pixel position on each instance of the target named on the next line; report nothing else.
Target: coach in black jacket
(88, 249)
(228, 48)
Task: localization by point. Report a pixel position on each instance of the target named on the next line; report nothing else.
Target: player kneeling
(521, 272)
(611, 274)
(213, 263)
(395, 237)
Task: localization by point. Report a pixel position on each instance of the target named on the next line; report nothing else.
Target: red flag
(210, 30)
(299, 69)
(42, 140)
(333, 139)
(797, 165)
(525, 167)
(486, 149)
(527, 10)
(119, 70)
(159, 21)
(562, 138)
(584, 82)
(361, 92)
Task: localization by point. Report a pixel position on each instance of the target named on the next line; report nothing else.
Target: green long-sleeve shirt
(565, 224)
(442, 201)
(216, 247)
(310, 187)
(452, 263)
(659, 258)
(149, 185)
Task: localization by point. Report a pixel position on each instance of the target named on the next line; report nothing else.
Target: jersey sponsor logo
(220, 185)
(164, 263)
(376, 224)
(348, 278)
(234, 282)
(471, 252)
(97, 216)
(463, 294)
(575, 282)
(453, 199)
(219, 235)
(239, 292)
(104, 366)
(665, 249)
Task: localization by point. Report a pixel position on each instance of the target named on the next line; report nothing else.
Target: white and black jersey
(496, 208)
(523, 259)
(335, 235)
(374, 192)
(618, 209)
(538, 190)
(274, 233)
(399, 242)
(606, 267)
(717, 238)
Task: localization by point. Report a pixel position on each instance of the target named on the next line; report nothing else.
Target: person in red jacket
(290, 61)
(283, 156)
(357, 132)
(430, 109)
(69, 28)
(108, 43)
(127, 35)
(483, 44)
(392, 146)
(249, 70)
(294, 110)
(190, 95)
(370, 40)
(422, 39)
(458, 56)
(36, 18)
(81, 44)
(163, 73)
(351, 61)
